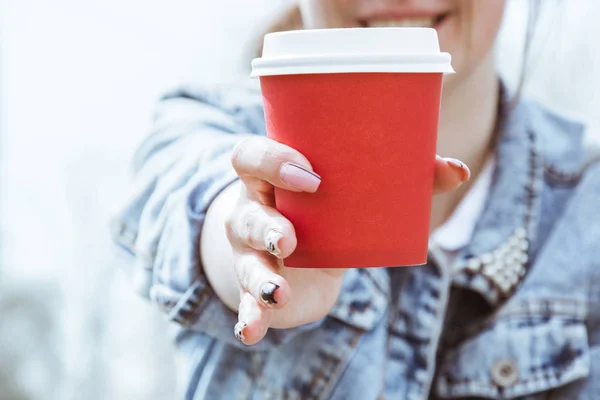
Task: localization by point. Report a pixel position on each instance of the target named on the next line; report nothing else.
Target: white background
(78, 80)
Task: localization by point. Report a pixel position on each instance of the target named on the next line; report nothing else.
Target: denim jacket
(515, 316)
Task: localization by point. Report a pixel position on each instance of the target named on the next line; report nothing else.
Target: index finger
(262, 163)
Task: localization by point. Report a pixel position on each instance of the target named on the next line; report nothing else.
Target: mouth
(405, 22)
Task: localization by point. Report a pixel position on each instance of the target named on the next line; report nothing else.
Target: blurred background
(78, 82)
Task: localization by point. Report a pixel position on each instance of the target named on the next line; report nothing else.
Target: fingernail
(299, 177)
(267, 293)
(272, 242)
(459, 164)
(238, 330)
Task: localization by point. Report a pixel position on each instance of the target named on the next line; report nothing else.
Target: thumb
(450, 173)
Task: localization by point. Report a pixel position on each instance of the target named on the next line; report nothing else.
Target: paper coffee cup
(363, 106)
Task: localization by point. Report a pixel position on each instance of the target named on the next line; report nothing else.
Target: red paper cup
(367, 121)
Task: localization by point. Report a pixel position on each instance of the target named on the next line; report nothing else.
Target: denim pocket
(530, 347)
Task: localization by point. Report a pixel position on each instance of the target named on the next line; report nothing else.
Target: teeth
(406, 22)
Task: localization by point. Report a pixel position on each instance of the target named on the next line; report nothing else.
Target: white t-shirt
(457, 231)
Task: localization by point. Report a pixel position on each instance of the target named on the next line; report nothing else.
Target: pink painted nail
(299, 177)
(459, 164)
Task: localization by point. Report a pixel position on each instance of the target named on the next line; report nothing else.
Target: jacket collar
(497, 257)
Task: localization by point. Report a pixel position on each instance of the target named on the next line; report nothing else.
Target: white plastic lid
(322, 51)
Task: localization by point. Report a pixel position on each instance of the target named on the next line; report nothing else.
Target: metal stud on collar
(505, 267)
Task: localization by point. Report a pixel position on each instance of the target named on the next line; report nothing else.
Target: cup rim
(352, 50)
(353, 63)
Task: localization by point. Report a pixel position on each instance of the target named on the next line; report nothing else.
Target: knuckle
(252, 224)
(249, 221)
(243, 271)
(229, 228)
(254, 157)
(246, 234)
(263, 159)
(286, 153)
(273, 156)
(238, 150)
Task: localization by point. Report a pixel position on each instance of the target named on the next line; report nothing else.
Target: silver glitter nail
(238, 330)
(272, 242)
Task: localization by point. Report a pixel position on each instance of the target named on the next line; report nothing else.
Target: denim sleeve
(179, 169)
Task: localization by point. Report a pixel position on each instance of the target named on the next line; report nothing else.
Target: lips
(432, 21)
